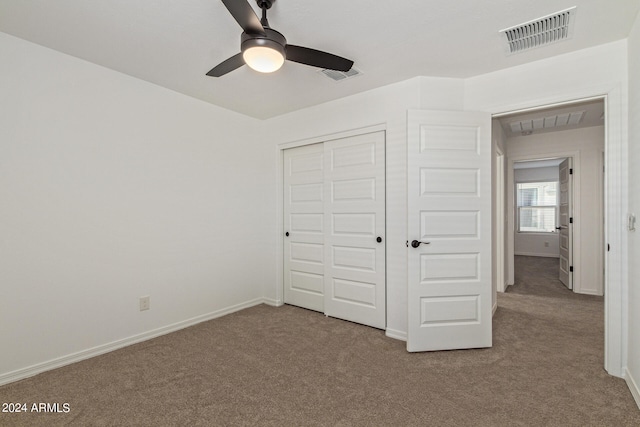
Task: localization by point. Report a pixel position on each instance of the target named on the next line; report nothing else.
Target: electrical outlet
(145, 303)
(546, 244)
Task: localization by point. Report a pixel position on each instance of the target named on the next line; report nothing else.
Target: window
(537, 206)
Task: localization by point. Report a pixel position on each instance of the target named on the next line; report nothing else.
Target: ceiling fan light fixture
(263, 59)
(263, 55)
(264, 49)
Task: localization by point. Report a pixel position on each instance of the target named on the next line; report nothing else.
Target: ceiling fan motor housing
(273, 40)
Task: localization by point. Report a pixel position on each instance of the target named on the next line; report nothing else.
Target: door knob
(416, 243)
(379, 239)
(286, 234)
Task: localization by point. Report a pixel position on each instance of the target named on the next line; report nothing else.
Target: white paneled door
(355, 239)
(334, 255)
(566, 224)
(304, 225)
(449, 230)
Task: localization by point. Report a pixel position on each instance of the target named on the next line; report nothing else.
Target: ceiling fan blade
(317, 58)
(246, 17)
(236, 61)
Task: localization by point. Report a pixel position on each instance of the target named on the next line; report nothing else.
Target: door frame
(500, 204)
(616, 270)
(279, 300)
(511, 206)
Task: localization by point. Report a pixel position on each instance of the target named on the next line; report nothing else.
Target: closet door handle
(416, 243)
(379, 239)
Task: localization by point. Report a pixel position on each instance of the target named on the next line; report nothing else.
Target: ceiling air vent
(528, 126)
(539, 32)
(339, 75)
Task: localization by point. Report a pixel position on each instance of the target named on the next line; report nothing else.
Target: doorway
(543, 212)
(575, 131)
(546, 135)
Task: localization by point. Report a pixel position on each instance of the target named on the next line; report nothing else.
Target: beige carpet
(292, 367)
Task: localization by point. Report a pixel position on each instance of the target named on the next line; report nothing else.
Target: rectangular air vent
(339, 75)
(530, 125)
(539, 32)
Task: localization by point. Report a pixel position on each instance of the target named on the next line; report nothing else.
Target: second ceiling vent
(539, 32)
(340, 75)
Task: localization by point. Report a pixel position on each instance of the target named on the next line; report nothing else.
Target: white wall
(537, 244)
(388, 107)
(633, 373)
(586, 145)
(112, 188)
(547, 173)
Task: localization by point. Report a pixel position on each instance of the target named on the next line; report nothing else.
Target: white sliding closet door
(304, 225)
(355, 240)
(334, 213)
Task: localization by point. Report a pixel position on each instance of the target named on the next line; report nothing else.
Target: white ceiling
(174, 43)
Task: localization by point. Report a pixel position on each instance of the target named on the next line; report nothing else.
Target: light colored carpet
(287, 366)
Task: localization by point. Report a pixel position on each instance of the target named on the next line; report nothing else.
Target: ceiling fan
(264, 49)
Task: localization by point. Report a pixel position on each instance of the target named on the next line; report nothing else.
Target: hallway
(557, 339)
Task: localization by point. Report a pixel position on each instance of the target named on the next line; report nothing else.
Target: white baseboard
(30, 371)
(506, 286)
(633, 386)
(273, 302)
(588, 292)
(537, 254)
(395, 334)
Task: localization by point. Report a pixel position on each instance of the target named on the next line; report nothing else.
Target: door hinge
(571, 220)
(571, 269)
(571, 171)
(608, 247)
